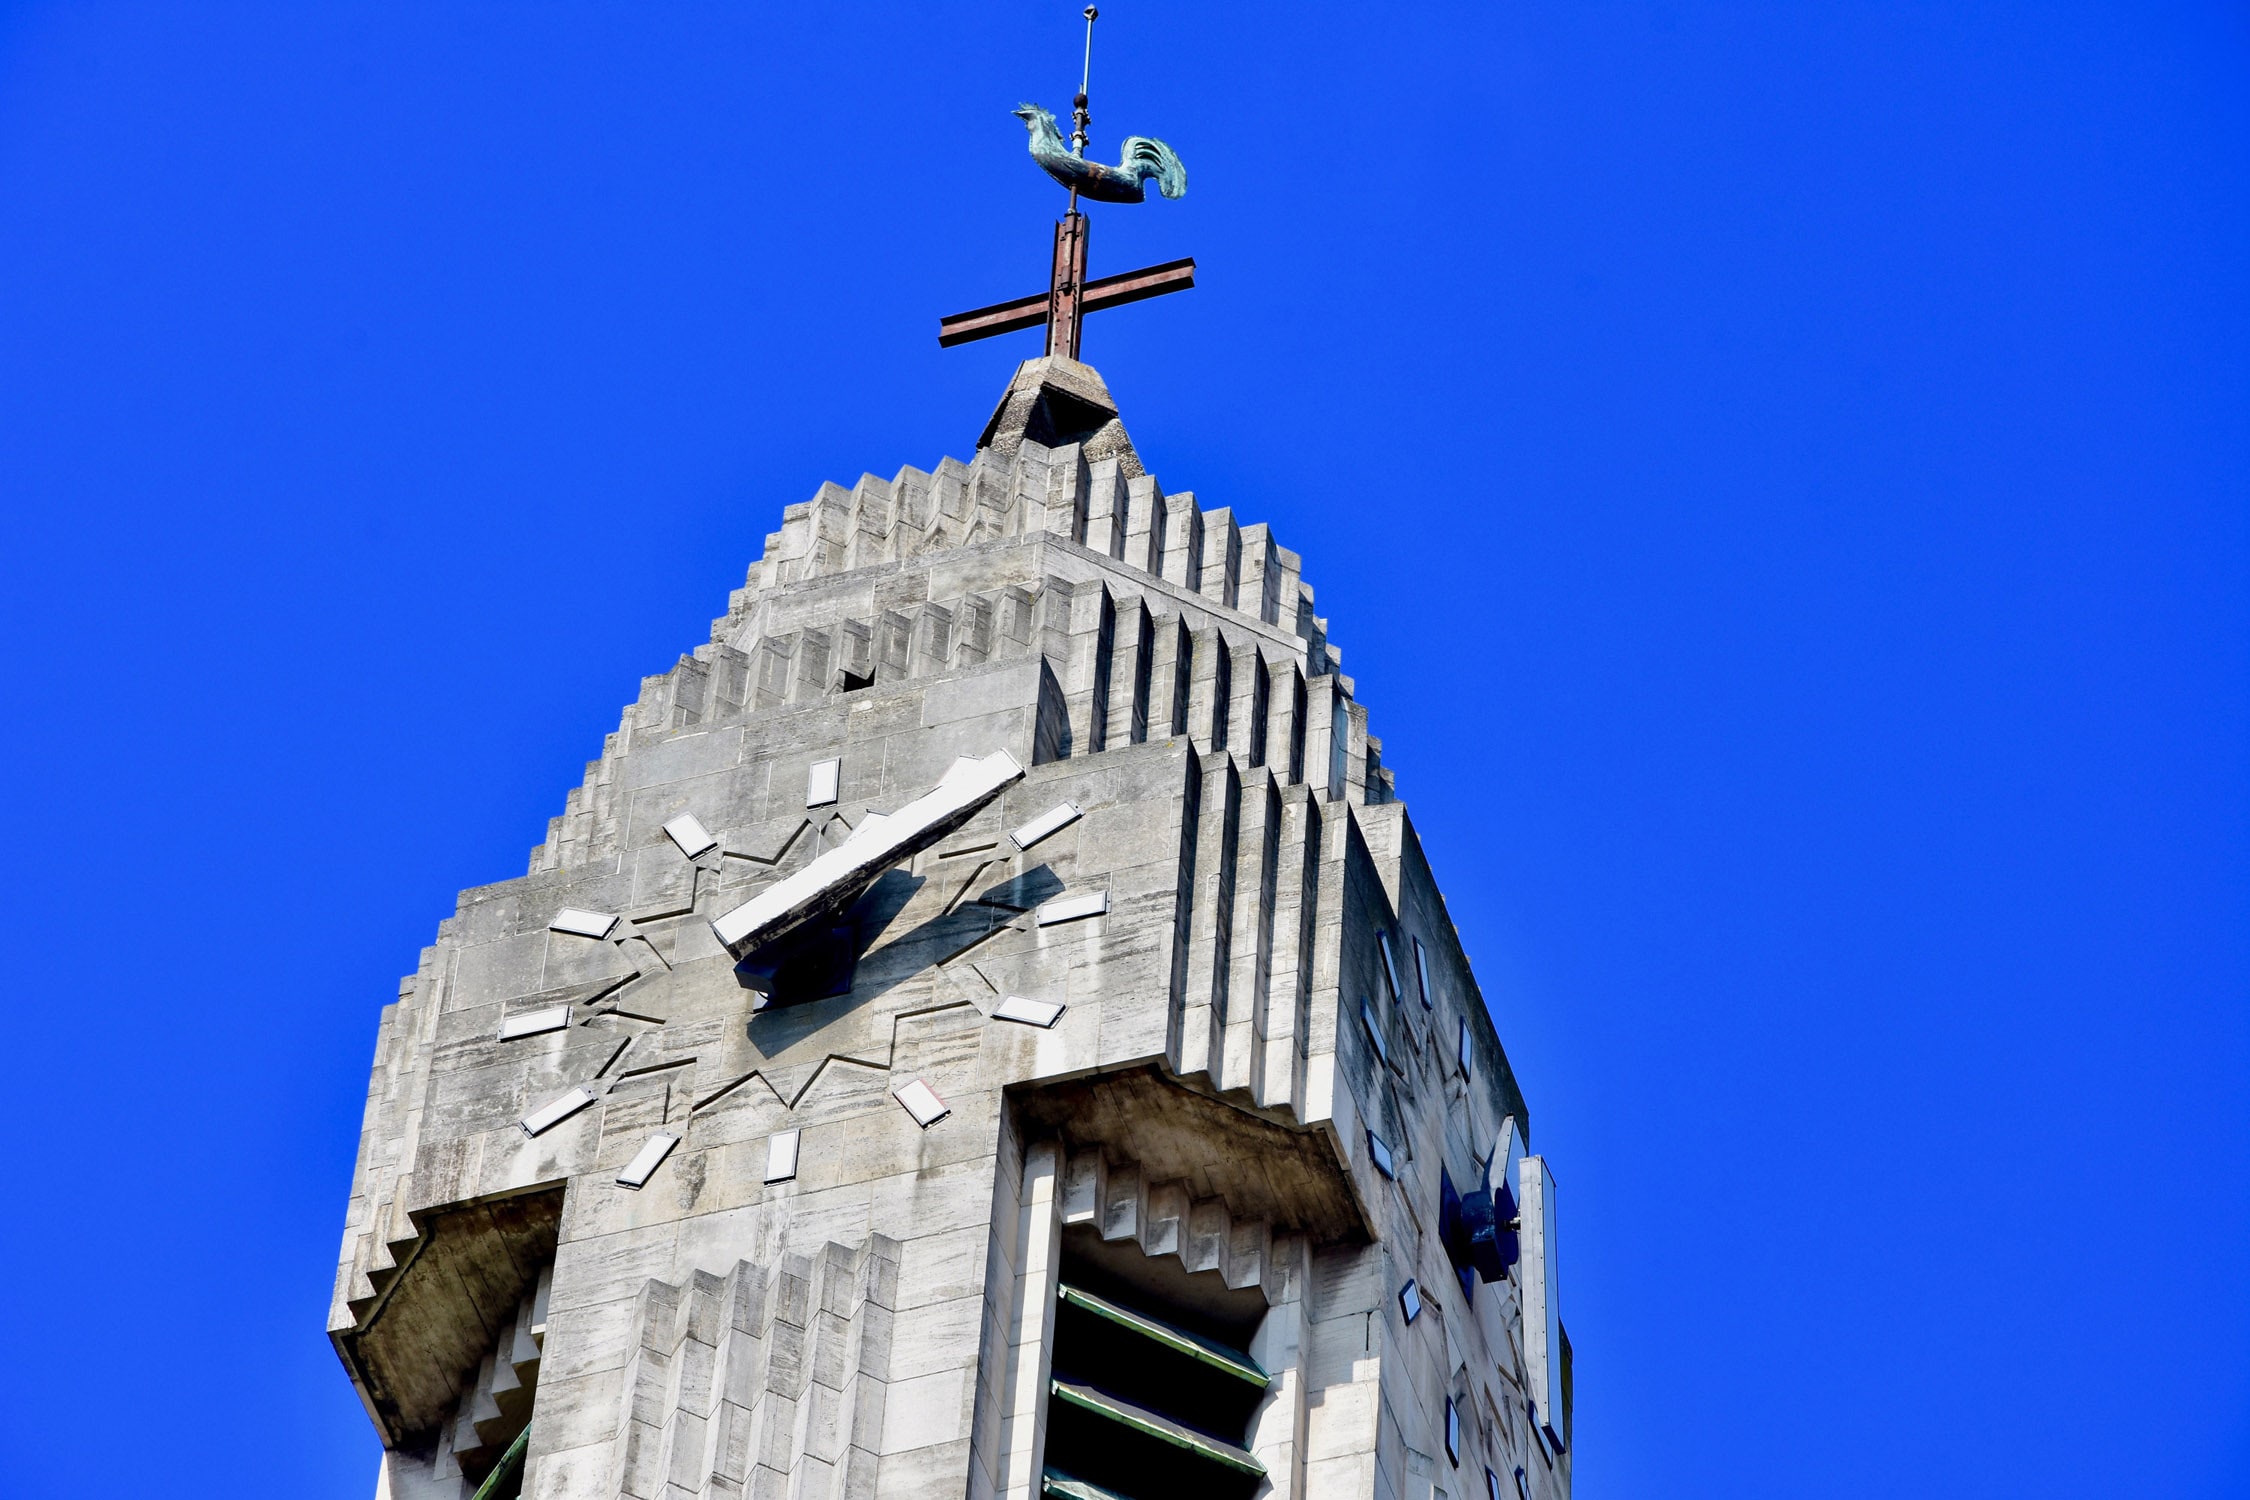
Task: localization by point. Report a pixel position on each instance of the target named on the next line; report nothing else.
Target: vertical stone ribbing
(1131, 641)
(1220, 577)
(1211, 918)
(1277, 1430)
(1296, 899)
(1147, 524)
(1036, 1255)
(757, 1383)
(1353, 718)
(1208, 690)
(1245, 702)
(1327, 737)
(870, 528)
(1171, 659)
(1260, 592)
(910, 514)
(1109, 508)
(1183, 542)
(1251, 951)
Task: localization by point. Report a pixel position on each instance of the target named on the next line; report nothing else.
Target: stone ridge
(1202, 627)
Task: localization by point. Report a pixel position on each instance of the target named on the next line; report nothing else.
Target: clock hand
(838, 878)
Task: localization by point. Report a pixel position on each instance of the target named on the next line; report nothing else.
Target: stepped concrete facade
(1169, 1052)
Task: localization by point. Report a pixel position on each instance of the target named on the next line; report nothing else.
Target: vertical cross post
(1066, 292)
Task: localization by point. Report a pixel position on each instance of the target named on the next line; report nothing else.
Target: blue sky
(1777, 474)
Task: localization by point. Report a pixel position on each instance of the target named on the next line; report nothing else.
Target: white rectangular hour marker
(591, 924)
(1374, 1028)
(645, 1161)
(547, 1116)
(1053, 820)
(1029, 1012)
(823, 782)
(781, 1155)
(534, 1022)
(1071, 908)
(1380, 1154)
(688, 832)
(921, 1101)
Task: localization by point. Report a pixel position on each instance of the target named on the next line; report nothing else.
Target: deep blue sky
(1776, 472)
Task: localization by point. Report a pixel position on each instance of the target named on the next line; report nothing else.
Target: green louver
(508, 1470)
(1162, 1428)
(1176, 1339)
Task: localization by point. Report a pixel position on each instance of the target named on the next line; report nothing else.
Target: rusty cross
(1069, 295)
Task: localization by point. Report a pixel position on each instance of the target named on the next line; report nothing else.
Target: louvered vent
(1143, 1409)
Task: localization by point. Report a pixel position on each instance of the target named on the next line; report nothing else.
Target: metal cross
(1069, 296)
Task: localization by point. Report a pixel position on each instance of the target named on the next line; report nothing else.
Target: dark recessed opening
(1060, 418)
(1153, 1390)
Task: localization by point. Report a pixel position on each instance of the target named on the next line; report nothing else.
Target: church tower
(985, 1026)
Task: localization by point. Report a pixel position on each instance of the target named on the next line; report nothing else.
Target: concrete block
(925, 1410)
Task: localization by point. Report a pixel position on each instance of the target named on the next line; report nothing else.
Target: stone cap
(1054, 401)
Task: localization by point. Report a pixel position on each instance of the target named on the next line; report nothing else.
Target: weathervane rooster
(1070, 295)
(1143, 159)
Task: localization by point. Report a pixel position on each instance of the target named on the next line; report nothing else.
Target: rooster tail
(1146, 158)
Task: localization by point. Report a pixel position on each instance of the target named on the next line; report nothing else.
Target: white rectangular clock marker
(823, 782)
(921, 1101)
(1374, 1029)
(688, 832)
(1053, 820)
(1380, 1154)
(534, 1022)
(645, 1161)
(582, 923)
(547, 1116)
(1071, 908)
(781, 1155)
(1042, 1013)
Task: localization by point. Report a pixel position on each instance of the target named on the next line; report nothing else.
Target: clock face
(778, 966)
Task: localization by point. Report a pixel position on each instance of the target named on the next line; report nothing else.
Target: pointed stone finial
(1054, 401)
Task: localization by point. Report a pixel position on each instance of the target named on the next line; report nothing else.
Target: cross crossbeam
(1069, 296)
